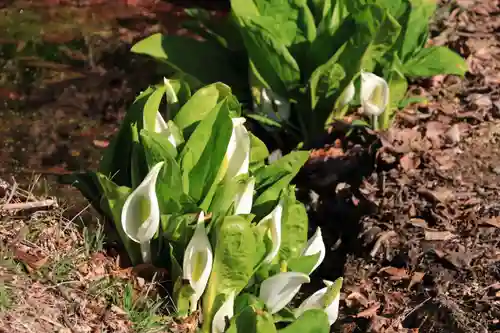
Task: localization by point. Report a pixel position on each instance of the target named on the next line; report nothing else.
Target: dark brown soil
(412, 216)
(416, 234)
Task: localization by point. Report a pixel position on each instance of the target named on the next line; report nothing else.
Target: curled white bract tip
(347, 95)
(198, 260)
(162, 127)
(315, 245)
(318, 300)
(225, 312)
(374, 94)
(237, 158)
(243, 200)
(273, 222)
(278, 290)
(141, 213)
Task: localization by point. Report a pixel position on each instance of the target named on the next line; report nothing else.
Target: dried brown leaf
(432, 235)
(370, 312)
(395, 273)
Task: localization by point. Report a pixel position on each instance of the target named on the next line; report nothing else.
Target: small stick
(382, 239)
(29, 205)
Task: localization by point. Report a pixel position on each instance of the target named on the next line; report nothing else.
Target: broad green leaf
(234, 260)
(325, 81)
(332, 292)
(169, 183)
(183, 293)
(311, 321)
(258, 149)
(320, 9)
(303, 264)
(274, 178)
(264, 120)
(178, 229)
(138, 166)
(183, 92)
(385, 38)
(152, 106)
(252, 320)
(416, 27)
(224, 197)
(183, 54)
(116, 160)
(434, 61)
(113, 199)
(222, 31)
(204, 152)
(199, 106)
(269, 55)
(294, 224)
(244, 7)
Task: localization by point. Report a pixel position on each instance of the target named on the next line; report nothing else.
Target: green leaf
(204, 152)
(234, 261)
(183, 54)
(272, 179)
(325, 81)
(252, 320)
(113, 199)
(416, 27)
(224, 197)
(311, 321)
(264, 120)
(169, 183)
(244, 7)
(138, 168)
(269, 56)
(117, 157)
(183, 293)
(303, 264)
(332, 292)
(258, 149)
(294, 224)
(152, 106)
(387, 35)
(434, 61)
(320, 9)
(177, 230)
(199, 106)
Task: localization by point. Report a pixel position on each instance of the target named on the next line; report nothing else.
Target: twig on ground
(382, 239)
(29, 205)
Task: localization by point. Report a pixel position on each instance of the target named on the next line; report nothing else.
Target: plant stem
(375, 122)
(146, 252)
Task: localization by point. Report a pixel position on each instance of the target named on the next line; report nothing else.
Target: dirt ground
(413, 213)
(411, 216)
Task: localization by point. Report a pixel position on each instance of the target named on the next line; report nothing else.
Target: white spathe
(317, 301)
(374, 94)
(237, 158)
(198, 260)
(347, 95)
(278, 290)
(269, 100)
(140, 216)
(161, 127)
(315, 245)
(243, 200)
(272, 222)
(225, 311)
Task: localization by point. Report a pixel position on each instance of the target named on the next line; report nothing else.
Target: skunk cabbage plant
(188, 188)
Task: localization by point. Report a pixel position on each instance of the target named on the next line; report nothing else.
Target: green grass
(6, 297)
(93, 239)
